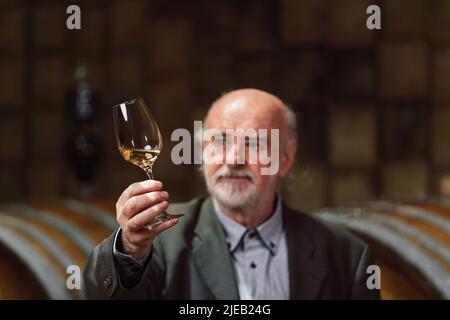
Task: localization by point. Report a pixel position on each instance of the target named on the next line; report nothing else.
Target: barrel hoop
(357, 208)
(437, 276)
(424, 215)
(434, 245)
(79, 237)
(48, 276)
(55, 250)
(91, 211)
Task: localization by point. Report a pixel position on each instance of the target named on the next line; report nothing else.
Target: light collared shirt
(259, 256)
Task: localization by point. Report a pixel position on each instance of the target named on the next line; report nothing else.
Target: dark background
(373, 106)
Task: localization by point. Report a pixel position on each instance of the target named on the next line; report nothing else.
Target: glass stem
(149, 172)
(163, 216)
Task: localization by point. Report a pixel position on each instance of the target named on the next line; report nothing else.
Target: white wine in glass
(139, 140)
(141, 158)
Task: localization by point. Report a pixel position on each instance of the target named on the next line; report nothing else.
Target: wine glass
(139, 140)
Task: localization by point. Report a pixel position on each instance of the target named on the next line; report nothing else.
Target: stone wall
(373, 106)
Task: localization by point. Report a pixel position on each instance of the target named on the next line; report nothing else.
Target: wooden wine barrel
(39, 241)
(410, 241)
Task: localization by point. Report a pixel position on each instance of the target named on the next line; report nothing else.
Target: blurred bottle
(82, 145)
(81, 101)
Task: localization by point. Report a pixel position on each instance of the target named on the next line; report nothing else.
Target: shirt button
(252, 235)
(253, 265)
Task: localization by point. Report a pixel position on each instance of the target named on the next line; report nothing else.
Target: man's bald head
(253, 104)
(254, 95)
(260, 160)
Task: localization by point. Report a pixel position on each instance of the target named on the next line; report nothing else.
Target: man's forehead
(244, 122)
(245, 114)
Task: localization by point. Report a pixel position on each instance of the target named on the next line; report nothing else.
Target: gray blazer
(192, 261)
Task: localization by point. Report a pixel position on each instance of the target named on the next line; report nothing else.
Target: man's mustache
(226, 172)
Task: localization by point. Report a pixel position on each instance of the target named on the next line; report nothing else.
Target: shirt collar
(269, 232)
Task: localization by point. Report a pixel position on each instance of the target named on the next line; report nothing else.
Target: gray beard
(234, 197)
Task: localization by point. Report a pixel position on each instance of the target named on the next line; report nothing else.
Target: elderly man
(241, 242)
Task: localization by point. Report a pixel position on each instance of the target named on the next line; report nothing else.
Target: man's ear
(288, 156)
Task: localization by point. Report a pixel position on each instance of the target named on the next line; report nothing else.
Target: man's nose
(235, 155)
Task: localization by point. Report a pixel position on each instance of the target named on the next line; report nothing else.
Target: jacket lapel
(211, 255)
(306, 272)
